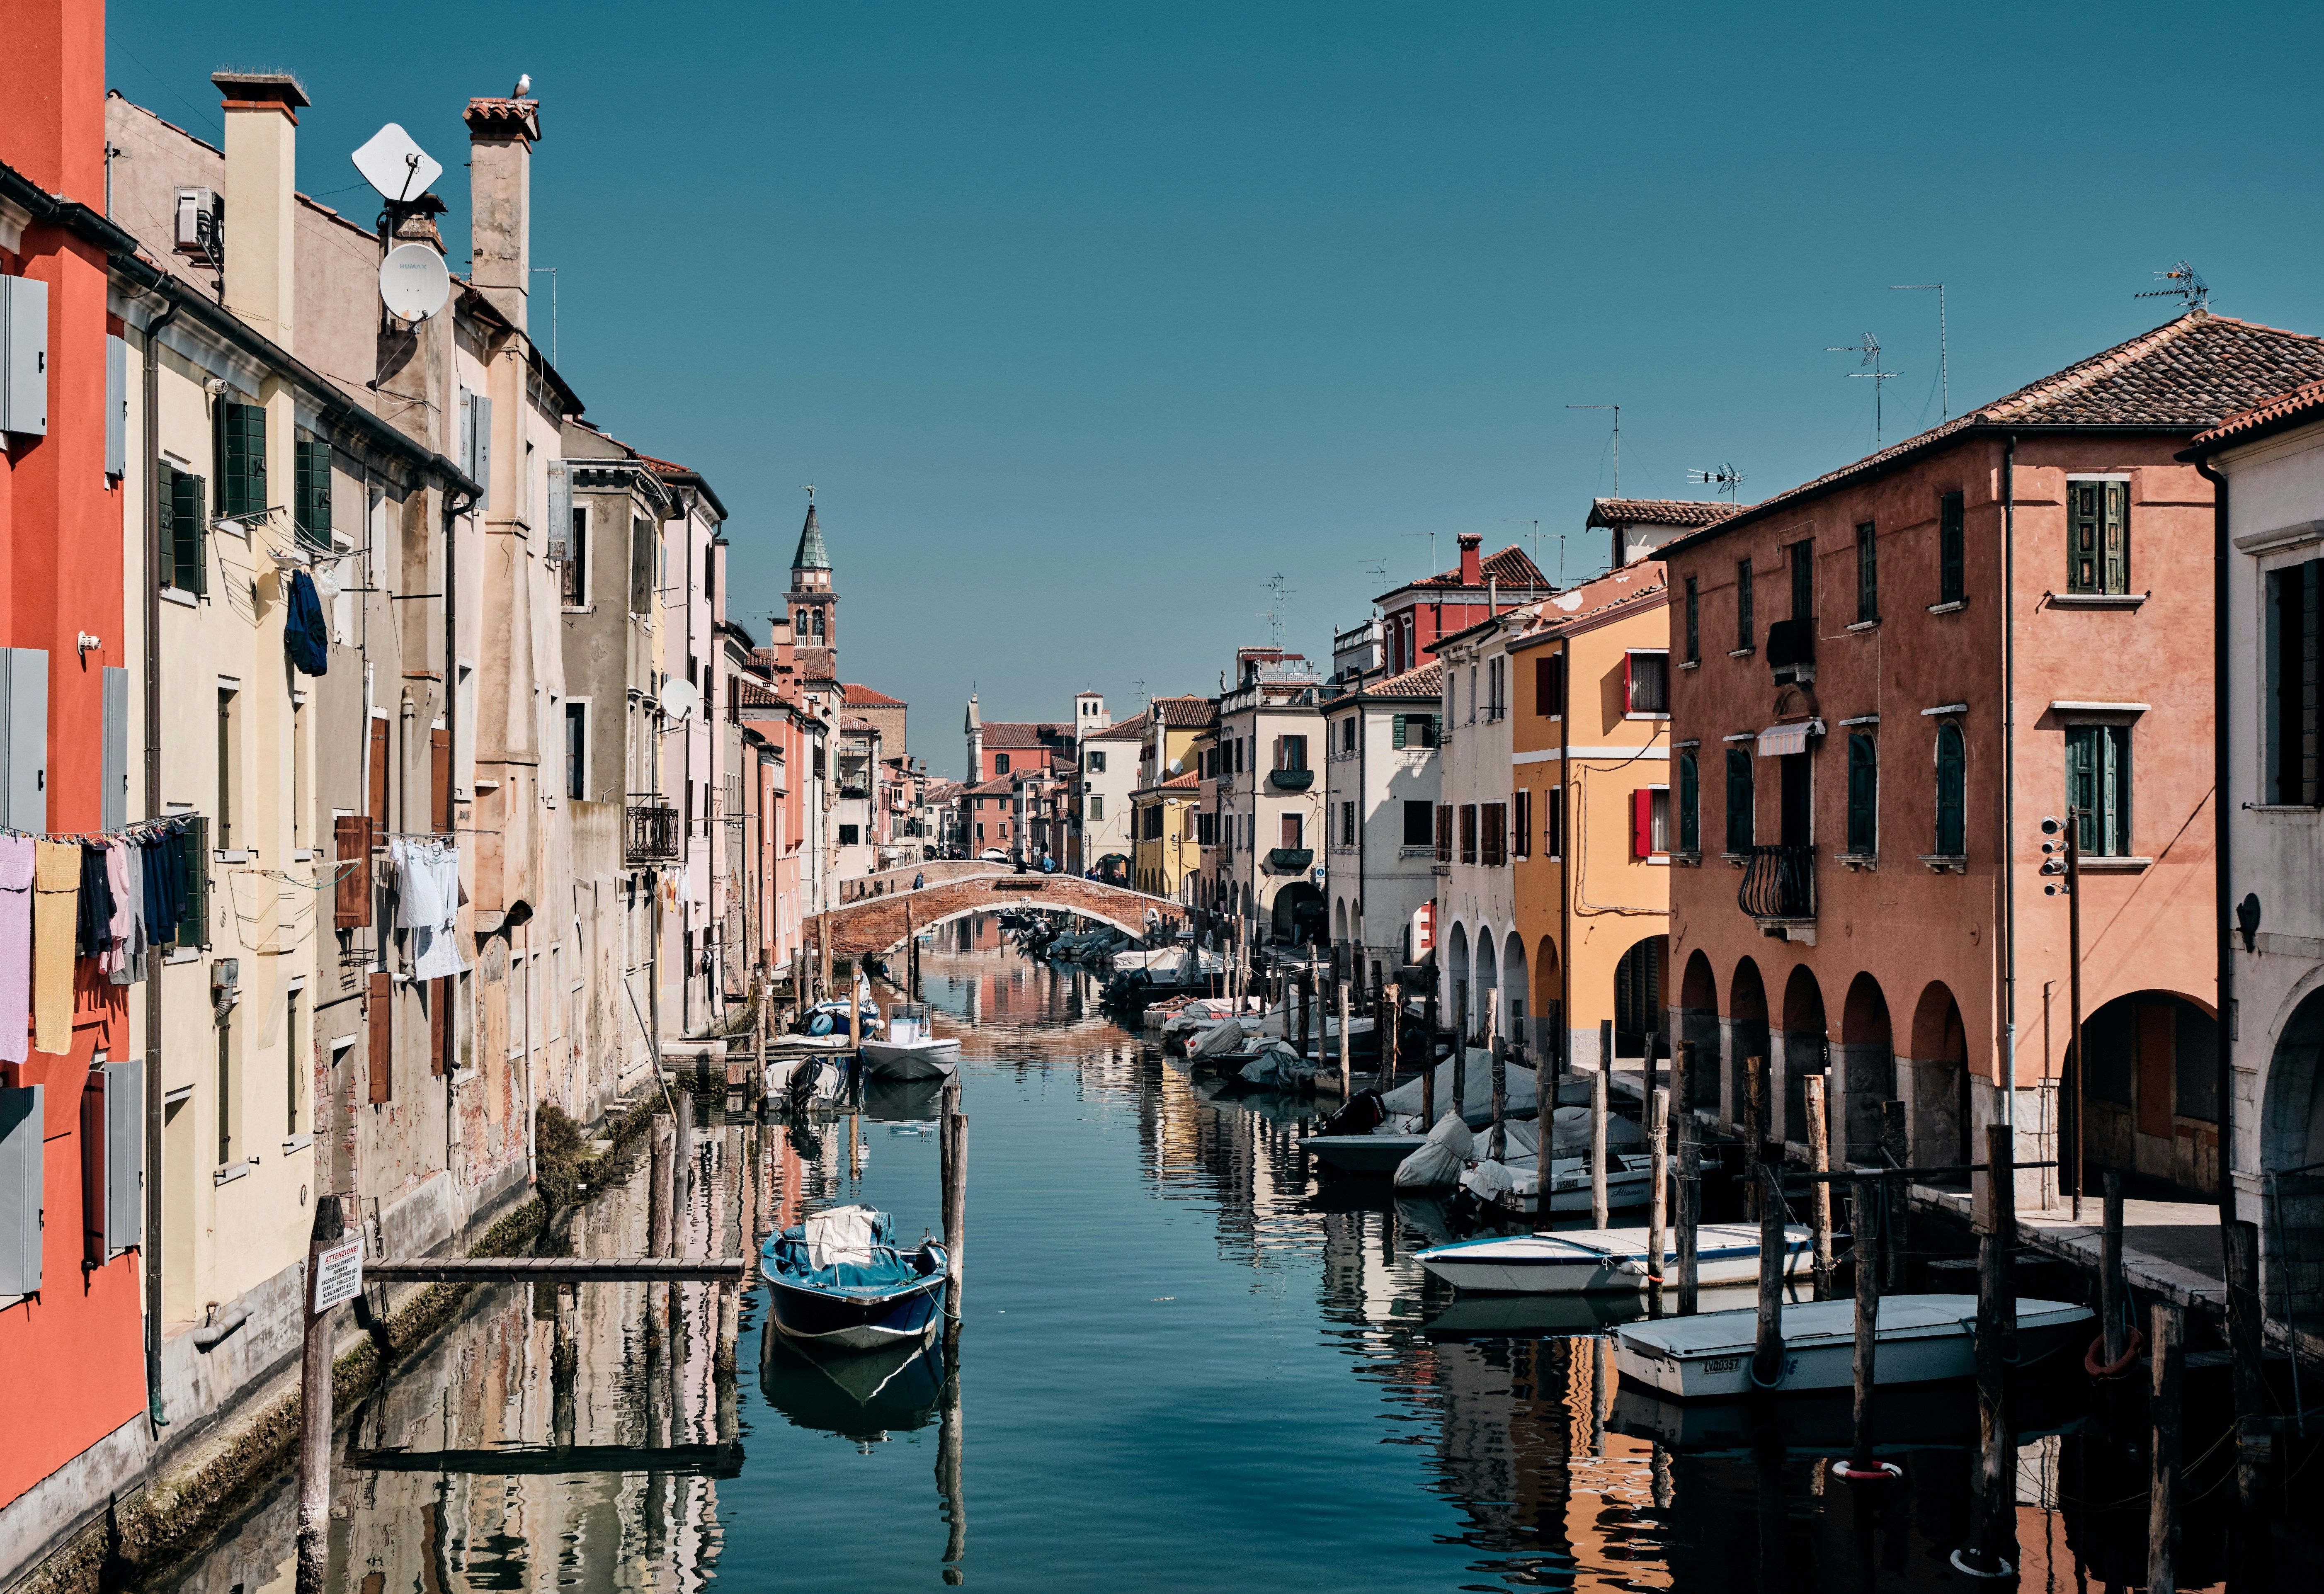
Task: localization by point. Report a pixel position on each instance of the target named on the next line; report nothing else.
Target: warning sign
(338, 1273)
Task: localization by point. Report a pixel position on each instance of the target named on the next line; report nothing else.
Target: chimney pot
(1472, 568)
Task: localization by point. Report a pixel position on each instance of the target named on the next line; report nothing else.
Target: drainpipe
(151, 604)
(2006, 1074)
(456, 502)
(2222, 836)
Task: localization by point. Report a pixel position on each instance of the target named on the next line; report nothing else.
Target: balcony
(1778, 886)
(652, 835)
(1291, 779)
(1289, 859)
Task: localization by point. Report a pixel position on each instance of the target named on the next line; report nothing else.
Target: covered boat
(838, 1280)
(1584, 1261)
(909, 1049)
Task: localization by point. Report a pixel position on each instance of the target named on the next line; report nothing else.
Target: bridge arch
(878, 924)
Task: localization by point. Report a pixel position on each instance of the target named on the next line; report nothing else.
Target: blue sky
(1085, 320)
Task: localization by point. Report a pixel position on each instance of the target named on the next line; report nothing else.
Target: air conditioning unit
(200, 230)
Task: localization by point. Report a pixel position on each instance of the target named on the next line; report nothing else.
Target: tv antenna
(1945, 376)
(1727, 477)
(1431, 548)
(1617, 408)
(1533, 536)
(1871, 351)
(2187, 285)
(1279, 590)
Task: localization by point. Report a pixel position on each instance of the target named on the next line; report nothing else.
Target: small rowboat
(908, 1051)
(1587, 1261)
(837, 1280)
(1921, 1339)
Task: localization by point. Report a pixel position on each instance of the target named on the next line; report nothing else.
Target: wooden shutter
(1951, 579)
(194, 927)
(242, 459)
(377, 783)
(1521, 823)
(2081, 537)
(1863, 794)
(187, 548)
(439, 778)
(92, 1168)
(1738, 800)
(112, 797)
(440, 1023)
(1693, 622)
(642, 571)
(1399, 724)
(1952, 780)
(25, 739)
(1743, 633)
(380, 1011)
(1553, 828)
(351, 838)
(22, 1125)
(2115, 536)
(1629, 684)
(1867, 573)
(1802, 554)
(1642, 823)
(125, 1155)
(1690, 804)
(311, 506)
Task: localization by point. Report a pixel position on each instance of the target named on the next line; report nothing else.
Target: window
(1952, 792)
(1419, 823)
(1472, 695)
(1414, 730)
(226, 1114)
(980, 831)
(1552, 823)
(1863, 795)
(1492, 823)
(641, 567)
(2097, 788)
(850, 834)
(291, 1058)
(1646, 683)
(1000, 763)
(1549, 685)
(241, 458)
(1496, 704)
(1950, 578)
(1291, 752)
(576, 750)
(310, 508)
(1649, 821)
(1294, 831)
(573, 576)
(2293, 775)
(225, 781)
(1521, 823)
(1097, 806)
(1347, 824)
(1738, 799)
(1095, 760)
(1803, 558)
(185, 541)
(1693, 624)
(1468, 833)
(1868, 574)
(1351, 730)
(1690, 804)
(1444, 833)
(1207, 830)
(2097, 537)
(1742, 604)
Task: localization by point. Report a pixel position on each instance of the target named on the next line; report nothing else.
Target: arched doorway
(1934, 1081)
(1807, 1048)
(1299, 915)
(1638, 995)
(1515, 990)
(1747, 1034)
(1456, 978)
(2291, 1135)
(1549, 1001)
(1489, 978)
(1866, 1076)
(2152, 1113)
(1340, 920)
(1697, 1020)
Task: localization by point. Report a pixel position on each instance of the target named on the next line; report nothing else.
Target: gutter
(151, 617)
(2008, 787)
(2222, 834)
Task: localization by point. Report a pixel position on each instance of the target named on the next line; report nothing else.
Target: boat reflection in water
(867, 1396)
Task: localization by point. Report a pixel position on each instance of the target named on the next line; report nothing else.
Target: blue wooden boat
(838, 1280)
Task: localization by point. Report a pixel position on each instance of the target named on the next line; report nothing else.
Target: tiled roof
(860, 696)
(2192, 373)
(1631, 584)
(754, 693)
(1186, 713)
(1428, 681)
(1509, 568)
(1658, 512)
(1130, 729)
(816, 663)
(1014, 734)
(2303, 402)
(1188, 781)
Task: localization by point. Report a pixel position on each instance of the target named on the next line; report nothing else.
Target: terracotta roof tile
(1130, 729)
(1428, 681)
(1509, 568)
(1016, 734)
(860, 696)
(1182, 782)
(2304, 401)
(1658, 512)
(1186, 713)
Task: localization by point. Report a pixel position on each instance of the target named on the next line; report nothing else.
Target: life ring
(820, 1024)
(2097, 1370)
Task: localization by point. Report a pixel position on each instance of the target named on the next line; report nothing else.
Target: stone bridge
(873, 925)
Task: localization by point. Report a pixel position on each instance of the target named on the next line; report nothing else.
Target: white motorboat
(1921, 1339)
(802, 1078)
(907, 1050)
(1584, 1261)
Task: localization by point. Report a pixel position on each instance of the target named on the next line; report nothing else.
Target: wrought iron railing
(1289, 859)
(1779, 883)
(1291, 779)
(652, 834)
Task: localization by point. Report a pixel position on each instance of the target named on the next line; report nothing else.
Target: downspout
(151, 1261)
(2222, 835)
(2005, 1075)
(1363, 815)
(456, 502)
(1564, 861)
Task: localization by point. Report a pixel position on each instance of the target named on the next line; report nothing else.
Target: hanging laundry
(56, 903)
(120, 955)
(165, 903)
(93, 920)
(15, 945)
(305, 635)
(428, 904)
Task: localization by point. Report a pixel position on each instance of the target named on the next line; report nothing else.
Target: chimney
(501, 136)
(1472, 569)
(262, 176)
(52, 81)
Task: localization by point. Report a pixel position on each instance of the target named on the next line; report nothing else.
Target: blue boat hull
(856, 1322)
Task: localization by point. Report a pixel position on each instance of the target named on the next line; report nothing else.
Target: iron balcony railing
(1291, 779)
(1289, 859)
(652, 834)
(1779, 883)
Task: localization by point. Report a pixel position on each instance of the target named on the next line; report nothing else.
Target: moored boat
(1587, 1261)
(838, 1280)
(907, 1050)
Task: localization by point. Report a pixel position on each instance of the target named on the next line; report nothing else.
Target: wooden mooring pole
(1347, 1045)
(2254, 1439)
(1755, 1128)
(315, 1407)
(1392, 1014)
(1819, 1193)
(1864, 1225)
(2114, 1306)
(955, 1212)
(1896, 1186)
(1600, 1209)
(1498, 1076)
(1690, 1179)
(1994, 1540)
(1658, 1203)
(1768, 1355)
(2166, 1347)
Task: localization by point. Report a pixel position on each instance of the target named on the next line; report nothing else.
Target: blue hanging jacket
(304, 635)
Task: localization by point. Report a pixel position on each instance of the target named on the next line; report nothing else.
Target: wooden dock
(557, 1270)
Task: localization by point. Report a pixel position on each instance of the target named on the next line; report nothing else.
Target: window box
(1291, 779)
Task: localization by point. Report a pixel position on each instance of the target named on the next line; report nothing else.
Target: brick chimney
(52, 81)
(262, 176)
(1472, 568)
(501, 136)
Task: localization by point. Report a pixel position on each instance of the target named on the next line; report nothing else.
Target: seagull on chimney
(523, 86)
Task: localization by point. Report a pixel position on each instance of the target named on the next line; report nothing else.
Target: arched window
(1690, 818)
(1863, 795)
(1952, 792)
(1738, 799)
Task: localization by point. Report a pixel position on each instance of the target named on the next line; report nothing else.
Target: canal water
(1183, 1363)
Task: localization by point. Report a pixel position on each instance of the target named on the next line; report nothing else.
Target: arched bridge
(872, 925)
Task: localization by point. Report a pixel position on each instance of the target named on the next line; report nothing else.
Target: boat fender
(2130, 1353)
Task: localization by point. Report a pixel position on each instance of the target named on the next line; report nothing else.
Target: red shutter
(382, 1038)
(1642, 818)
(351, 888)
(92, 1167)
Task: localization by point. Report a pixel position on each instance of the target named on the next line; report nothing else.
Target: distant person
(919, 879)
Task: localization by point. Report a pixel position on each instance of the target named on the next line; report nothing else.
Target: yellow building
(1162, 819)
(1590, 770)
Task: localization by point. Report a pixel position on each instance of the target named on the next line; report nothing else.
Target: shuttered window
(1642, 823)
(1521, 823)
(112, 1160)
(1802, 555)
(115, 796)
(1552, 823)
(2292, 711)
(1868, 573)
(241, 459)
(2097, 537)
(22, 1125)
(2097, 788)
(379, 1013)
(311, 507)
(185, 519)
(1952, 792)
(1863, 795)
(1951, 577)
(1549, 685)
(1693, 624)
(351, 885)
(1738, 800)
(1743, 604)
(1492, 821)
(641, 568)
(1690, 806)
(193, 927)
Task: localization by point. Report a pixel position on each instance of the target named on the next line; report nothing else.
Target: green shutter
(1863, 795)
(1436, 729)
(185, 550)
(1738, 800)
(1951, 579)
(242, 459)
(2082, 536)
(313, 504)
(165, 554)
(1690, 819)
(1952, 782)
(1399, 732)
(2114, 531)
(193, 929)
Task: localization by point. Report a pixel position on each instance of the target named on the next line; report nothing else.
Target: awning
(1776, 740)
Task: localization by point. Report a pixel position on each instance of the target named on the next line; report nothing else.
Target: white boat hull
(912, 1059)
(1592, 1261)
(1920, 1339)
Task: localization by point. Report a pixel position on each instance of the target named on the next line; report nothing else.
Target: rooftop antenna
(1617, 408)
(1871, 351)
(1431, 548)
(1944, 375)
(2186, 283)
(1276, 585)
(1727, 477)
(1533, 536)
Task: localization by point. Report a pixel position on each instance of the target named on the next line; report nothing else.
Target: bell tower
(814, 605)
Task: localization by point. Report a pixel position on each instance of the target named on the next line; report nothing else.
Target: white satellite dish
(412, 282)
(680, 698)
(396, 166)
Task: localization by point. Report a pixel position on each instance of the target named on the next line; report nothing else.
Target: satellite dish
(396, 166)
(412, 282)
(680, 698)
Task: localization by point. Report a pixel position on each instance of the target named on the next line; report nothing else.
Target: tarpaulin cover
(1477, 1089)
(844, 1250)
(1436, 1164)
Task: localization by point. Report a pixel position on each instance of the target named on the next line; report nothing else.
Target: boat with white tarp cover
(1584, 1261)
(839, 1281)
